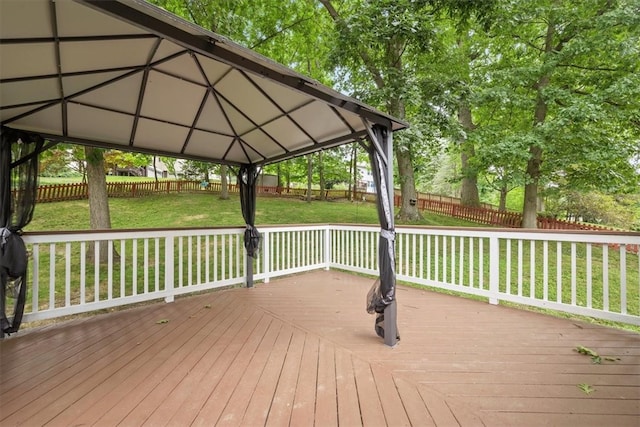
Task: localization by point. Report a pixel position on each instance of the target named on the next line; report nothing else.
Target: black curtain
(383, 292)
(247, 176)
(18, 190)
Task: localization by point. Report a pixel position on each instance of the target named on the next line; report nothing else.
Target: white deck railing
(591, 274)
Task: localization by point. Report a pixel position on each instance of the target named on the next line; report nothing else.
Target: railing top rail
(521, 230)
(622, 237)
(98, 235)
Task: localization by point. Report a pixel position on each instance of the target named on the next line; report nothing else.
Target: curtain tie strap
(388, 234)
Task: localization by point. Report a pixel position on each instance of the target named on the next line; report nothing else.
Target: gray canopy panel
(128, 75)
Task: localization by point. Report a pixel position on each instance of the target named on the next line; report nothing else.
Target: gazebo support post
(381, 156)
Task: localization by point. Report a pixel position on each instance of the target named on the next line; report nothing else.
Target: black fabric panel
(18, 190)
(247, 176)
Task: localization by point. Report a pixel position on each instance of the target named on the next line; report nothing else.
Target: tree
(115, 159)
(196, 170)
(383, 47)
(170, 162)
(568, 75)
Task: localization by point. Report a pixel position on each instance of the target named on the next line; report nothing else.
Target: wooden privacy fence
(78, 191)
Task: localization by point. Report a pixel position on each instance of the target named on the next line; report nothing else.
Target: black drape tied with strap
(18, 189)
(247, 177)
(383, 292)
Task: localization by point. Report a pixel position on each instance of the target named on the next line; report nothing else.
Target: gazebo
(128, 75)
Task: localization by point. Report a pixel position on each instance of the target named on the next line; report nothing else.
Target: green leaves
(586, 388)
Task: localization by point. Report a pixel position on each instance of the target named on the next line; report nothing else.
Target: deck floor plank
(348, 405)
(370, 405)
(282, 403)
(326, 396)
(304, 402)
(258, 408)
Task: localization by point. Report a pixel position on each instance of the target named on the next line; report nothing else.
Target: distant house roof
(128, 75)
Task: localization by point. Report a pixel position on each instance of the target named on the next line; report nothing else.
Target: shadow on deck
(301, 351)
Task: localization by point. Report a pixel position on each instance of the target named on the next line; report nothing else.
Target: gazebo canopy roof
(128, 75)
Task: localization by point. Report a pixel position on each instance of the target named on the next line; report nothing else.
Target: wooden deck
(301, 351)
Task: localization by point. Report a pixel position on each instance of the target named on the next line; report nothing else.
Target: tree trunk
(309, 177)
(529, 210)
(288, 175)
(279, 175)
(469, 195)
(353, 172)
(408, 212)
(503, 198)
(155, 170)
(321, 175)
(224, 182)
(99, 216)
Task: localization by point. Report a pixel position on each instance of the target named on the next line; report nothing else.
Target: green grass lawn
(208, 210)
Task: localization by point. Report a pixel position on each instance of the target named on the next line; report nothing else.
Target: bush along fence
(442, 205)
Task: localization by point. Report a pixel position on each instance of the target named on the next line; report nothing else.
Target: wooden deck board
(304, 402)
(302, 351)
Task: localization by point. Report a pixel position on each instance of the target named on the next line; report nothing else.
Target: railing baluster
(453, 260)
(413, 255)
(35, 297)
(589, 276)
(532, 269)
(520, 262)
(134, 267)
(207, 259)
(198, 260)
(110, 270)
(157, 264)
(123, 263)
(52, 276)
(96, 270)
(623, 279)
(223, 256)
(573, 273)
(559, 272)
(545, 270)
(67, 275)
(190, 261)
(508, 269)
(471, 263)
(481, 262)
(146, 266)
(445, 263)
(215, 258)
(437, 258)
(605, 278)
